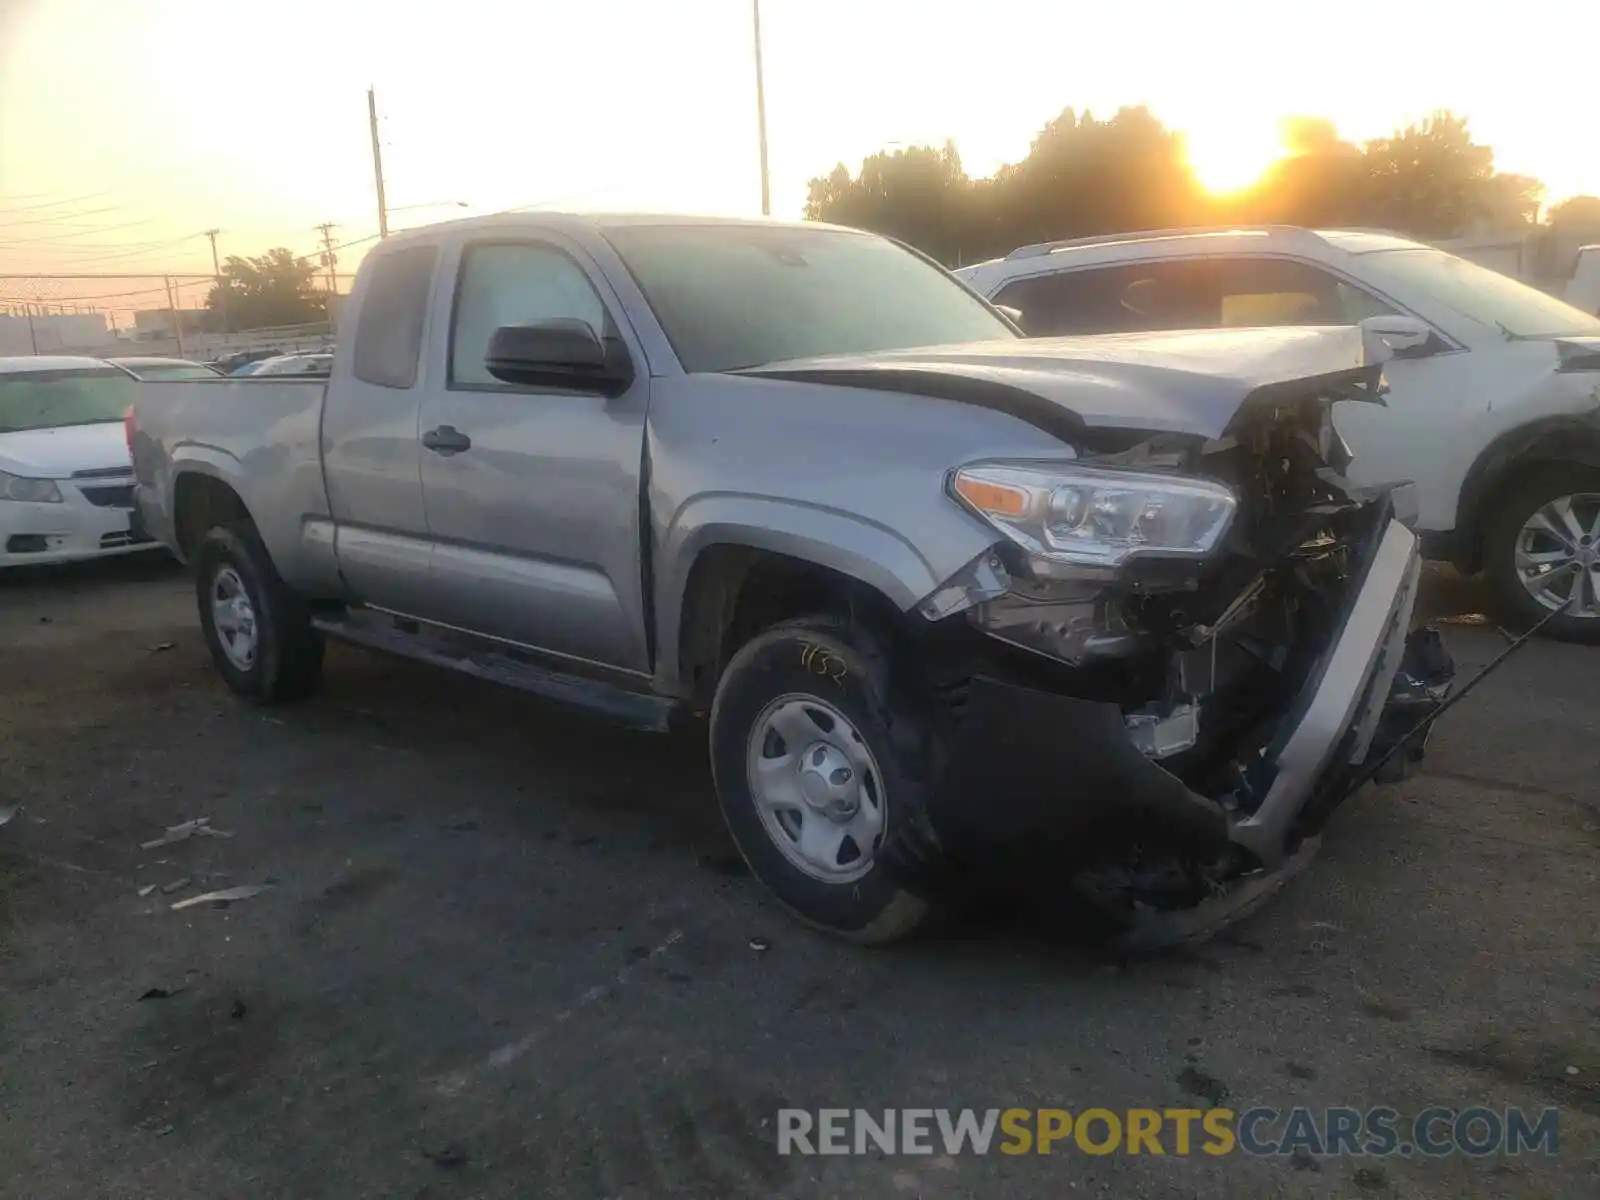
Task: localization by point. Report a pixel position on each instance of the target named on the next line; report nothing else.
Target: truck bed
(260, 435)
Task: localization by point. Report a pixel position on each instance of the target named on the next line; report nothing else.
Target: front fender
(882, 558)
(1570, 438)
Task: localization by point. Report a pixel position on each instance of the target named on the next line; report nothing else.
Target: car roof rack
(1038, 249)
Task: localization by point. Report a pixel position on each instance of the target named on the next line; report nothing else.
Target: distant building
(154, 323)
(51, 334)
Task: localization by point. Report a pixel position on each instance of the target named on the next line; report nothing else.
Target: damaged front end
(1168, 721)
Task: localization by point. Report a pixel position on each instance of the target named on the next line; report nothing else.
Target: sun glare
(1231, 159)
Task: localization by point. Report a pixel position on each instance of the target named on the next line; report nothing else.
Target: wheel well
(200, 503)
(1506, 465)
(734, 592)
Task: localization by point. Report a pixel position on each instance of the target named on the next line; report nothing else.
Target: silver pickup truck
(960, 606)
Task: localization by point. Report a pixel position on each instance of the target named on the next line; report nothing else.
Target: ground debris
(146, 890)
(225, 896)
(7, 811)
(177, 885)
(199, 827)
(451, 1154)
(159, 646)
(760, 944)
(162, 993)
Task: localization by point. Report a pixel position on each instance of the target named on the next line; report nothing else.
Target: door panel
(370, 451)
(535, 526)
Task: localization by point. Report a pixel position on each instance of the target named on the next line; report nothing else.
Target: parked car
(66, 485)
(240, 362)
(1583, 289)
(1103, 604)
(319, 365)
(1494, 401)
(164, 368)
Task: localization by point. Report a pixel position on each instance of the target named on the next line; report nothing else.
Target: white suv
(1494, 407)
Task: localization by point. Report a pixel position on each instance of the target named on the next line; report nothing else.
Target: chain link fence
(105, 315)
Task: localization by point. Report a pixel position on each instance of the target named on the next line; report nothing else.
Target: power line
(59, 217)
(88, 231)
(51, 203)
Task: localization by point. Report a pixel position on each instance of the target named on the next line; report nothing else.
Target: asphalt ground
(508, 951)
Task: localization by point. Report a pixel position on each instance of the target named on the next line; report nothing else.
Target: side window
(513, 284)
(1276, 291)
(393, 308)
(1134, 297)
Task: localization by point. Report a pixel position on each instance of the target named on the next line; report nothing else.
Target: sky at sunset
(157, 119)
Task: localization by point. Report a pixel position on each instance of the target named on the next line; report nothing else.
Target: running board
(469, 656)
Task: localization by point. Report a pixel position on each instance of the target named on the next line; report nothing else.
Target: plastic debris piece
(177, 885)
(225, 896)
(162, 993)
(760, 944)
(146, 890)
(7, 811)
(160, 646)
(199, 827)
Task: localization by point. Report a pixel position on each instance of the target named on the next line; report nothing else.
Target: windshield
(1486, 296)
(172, 371)
(733, 296)
(50, 399)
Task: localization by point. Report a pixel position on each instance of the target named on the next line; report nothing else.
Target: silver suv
(1494, 401)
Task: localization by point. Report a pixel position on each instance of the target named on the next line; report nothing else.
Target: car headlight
(29, 491)
(1088, 516)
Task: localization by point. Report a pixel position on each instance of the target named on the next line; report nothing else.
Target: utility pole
(172, 307)
(761, 117)
(33, 338)
(328, 259)
(377, 162)
(222, 292)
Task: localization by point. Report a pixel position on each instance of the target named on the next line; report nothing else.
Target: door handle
(446, 440)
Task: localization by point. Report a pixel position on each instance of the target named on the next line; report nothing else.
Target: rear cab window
(394, 308)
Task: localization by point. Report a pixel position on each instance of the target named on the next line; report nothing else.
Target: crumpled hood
(1186, 382)
(57, 453)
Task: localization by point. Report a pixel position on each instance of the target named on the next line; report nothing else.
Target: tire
(842, 670)
(287, 660)
(1503, 529)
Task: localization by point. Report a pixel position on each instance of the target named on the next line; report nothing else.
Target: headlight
(1088, 516)
(29, 491)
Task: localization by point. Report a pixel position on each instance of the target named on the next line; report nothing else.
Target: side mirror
(1014, 315)
(563, 352)
(1404, 337)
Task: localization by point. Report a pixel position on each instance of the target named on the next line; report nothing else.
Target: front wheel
(1542, 550)
(815, 763)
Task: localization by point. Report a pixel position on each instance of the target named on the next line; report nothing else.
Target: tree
(1323, 181)
(1579, 216)
(917, 195)
(272, 289)
(1085, 176)
(1429, 179)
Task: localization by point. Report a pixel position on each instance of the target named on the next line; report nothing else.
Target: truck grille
(104, 473)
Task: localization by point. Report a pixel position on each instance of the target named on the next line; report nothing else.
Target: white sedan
(66, 479)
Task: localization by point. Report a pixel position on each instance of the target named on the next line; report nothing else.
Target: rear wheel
(257, 628)
(1542, 550)
(816, 762)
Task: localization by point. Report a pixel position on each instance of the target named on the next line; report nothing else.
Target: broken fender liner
(1039, 778)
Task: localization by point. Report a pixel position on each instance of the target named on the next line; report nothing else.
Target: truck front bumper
(1045, 782)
